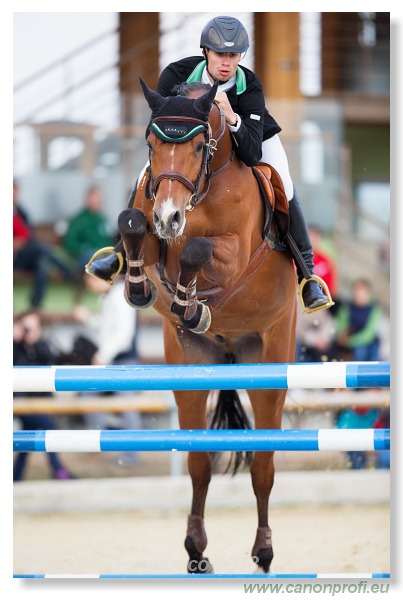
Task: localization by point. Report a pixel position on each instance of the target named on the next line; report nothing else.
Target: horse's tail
(230, 414)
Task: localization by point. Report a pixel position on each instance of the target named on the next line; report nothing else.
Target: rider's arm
(248, 131)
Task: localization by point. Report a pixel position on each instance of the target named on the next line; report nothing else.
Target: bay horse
(195, 249)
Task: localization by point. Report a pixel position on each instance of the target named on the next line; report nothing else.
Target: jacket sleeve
(249, 137)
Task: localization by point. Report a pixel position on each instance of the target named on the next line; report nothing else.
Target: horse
(196, 250)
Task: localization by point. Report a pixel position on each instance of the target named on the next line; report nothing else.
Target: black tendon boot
(313, 291)
(109, 266)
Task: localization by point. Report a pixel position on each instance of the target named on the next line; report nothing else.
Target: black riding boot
(311, 292)
(109, 267)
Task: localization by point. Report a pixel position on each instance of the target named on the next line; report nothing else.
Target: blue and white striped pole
(201, 440)
(360, 576)
(202, 377)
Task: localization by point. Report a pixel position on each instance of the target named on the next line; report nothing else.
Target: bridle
(210, 146)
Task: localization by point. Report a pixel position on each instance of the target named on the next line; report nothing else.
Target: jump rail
(203, 377)
(201, 440)
(360, 576)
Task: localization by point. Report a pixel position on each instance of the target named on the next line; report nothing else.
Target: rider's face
(222, 65)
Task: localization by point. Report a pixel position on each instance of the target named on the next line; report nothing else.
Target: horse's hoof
(263, 560)
(200, 567)
(204, 322)
(149, 301)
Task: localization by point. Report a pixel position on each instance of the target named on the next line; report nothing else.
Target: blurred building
(327, 80)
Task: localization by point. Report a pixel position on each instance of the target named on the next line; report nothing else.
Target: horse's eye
(199, 147)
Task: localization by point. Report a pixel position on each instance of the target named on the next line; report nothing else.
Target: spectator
(112, 328)
(357, 332)
(316, 337)
(361, 417)
(323, 261)
(357, 323)
(88, 230)
(30, 254)
(29, 348)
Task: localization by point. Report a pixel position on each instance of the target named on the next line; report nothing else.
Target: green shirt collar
(240, 80)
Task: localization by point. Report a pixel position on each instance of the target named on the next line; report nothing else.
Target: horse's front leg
(219, 261)
(140, 292)
(196, 254)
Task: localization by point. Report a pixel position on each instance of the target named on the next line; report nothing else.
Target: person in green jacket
(88, 230)
(357, 323)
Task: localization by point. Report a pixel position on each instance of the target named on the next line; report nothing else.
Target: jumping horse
(196, 249)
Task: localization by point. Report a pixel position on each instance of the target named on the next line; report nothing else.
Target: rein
(210, 146)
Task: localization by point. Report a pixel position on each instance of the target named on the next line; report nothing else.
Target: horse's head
(180, 150)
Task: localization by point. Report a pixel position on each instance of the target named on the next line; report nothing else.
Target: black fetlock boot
(109, 266)
(313, 291)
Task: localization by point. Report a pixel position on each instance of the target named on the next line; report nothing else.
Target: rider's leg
(113, 260)
(313, 297)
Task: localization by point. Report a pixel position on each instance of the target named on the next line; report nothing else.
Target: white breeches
(274, 154)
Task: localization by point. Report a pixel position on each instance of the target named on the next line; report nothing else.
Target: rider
(224, 41)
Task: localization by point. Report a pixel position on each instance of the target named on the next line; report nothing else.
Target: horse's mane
(185, 88)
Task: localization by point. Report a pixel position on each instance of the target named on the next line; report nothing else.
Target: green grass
(60, 297)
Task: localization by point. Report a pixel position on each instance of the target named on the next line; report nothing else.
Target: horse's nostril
(176, 219)
(156, 219)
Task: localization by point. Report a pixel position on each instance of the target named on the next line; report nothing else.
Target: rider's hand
(222, 100)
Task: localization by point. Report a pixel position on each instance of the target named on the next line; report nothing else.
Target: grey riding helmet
(224, 34)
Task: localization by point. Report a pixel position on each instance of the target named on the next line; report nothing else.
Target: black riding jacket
(246, 98)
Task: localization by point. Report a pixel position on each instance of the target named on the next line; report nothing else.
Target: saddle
(274, 198)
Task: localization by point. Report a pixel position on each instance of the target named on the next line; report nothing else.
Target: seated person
(357, 323)
(88, 230)
(32, 255)
(29, 349)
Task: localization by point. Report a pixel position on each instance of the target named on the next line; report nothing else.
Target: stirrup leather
(107, 250)
(325, 288)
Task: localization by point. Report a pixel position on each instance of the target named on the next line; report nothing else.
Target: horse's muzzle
(168, 220)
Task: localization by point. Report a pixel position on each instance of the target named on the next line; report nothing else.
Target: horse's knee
(132, 223)
(196, 253)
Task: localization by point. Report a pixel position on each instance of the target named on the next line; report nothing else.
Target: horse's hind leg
(140, 292)
(194, 315)
(267, 408)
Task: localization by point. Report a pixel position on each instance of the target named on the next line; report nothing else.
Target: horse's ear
(204, 103)
(154, 99)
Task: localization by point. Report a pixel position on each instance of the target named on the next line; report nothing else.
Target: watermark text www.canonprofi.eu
(332, 589)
